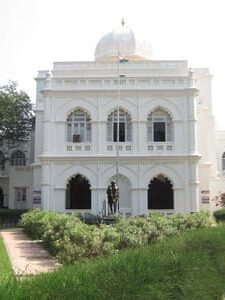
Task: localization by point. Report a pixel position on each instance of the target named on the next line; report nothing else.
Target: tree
(16, 116)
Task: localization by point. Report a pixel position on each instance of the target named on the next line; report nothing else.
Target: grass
(187, 267)
(5, 265)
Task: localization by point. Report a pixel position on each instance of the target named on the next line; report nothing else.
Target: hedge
(219, 215)
(70, 239)
(10, 217)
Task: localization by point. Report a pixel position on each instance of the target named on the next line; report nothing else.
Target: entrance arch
(1, 198)
(160, 193)
(78, 193)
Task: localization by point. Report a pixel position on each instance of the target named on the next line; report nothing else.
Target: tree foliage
(16, 115)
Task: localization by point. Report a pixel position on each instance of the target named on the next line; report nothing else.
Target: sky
(35, 33)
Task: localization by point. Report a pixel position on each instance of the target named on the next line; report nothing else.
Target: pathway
(27, 257)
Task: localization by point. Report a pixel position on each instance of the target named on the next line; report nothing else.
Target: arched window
(159, 127)
(2, 161)
(223, 162)
(18, 158)
(78, 127)
(124, 126)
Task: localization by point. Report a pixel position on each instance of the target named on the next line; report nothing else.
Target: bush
(34, 222)
(219, 215)
(183, 222)
(130, 233)
(70, 239)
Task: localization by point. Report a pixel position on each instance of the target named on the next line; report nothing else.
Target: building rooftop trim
(152, 63)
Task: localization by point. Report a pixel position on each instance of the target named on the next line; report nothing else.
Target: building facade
(16, 177)
(145, 123)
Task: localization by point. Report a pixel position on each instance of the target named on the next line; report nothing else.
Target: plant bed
(71, 240)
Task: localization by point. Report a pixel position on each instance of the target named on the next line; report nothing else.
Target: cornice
(109, 159)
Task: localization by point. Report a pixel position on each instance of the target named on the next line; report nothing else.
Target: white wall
(140, 161)
(20, 177)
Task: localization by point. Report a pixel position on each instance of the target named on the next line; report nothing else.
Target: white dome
(122, 42)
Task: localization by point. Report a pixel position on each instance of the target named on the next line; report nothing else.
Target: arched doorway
(160, 193)
(125, 205)
(1, 198)
(78, 193)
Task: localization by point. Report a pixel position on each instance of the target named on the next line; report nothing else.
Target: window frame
(20, 194)
(125, 126)
(78, 127)
(159, 116)
(223, 162)
(18, 160)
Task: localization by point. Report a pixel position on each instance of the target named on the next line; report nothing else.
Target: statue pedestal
(109, 220)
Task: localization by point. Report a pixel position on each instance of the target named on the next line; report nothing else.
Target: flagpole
(117, 129)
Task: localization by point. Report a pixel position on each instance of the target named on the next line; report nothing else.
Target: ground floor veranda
(142, 189)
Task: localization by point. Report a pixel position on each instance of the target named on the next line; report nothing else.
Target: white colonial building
(146, 123)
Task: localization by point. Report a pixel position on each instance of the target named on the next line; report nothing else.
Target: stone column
(47, 126)
(94, 201)
(45, 187)
(60, 199)
(139, 198)
(179, 200)
(192, 131)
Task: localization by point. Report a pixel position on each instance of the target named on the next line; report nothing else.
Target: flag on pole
(122, 59)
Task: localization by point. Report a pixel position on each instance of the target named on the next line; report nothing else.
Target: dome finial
(122, 22)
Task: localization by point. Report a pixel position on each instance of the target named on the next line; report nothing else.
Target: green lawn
(5, 266)
(187, 267)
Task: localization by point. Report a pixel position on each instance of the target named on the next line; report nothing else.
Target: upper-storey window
(18, 158)
(223, 161)
(2, 161)
(119, 123)
(159, 127)
(78, 127)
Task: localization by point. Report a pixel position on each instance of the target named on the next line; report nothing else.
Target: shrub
(163, 224)
(33, 222)
(183, 222)
(58, 230)
(70, 239)
(130, 234)
(219, 215)
(199, 220)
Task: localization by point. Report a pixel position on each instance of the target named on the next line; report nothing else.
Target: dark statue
(113, 197)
